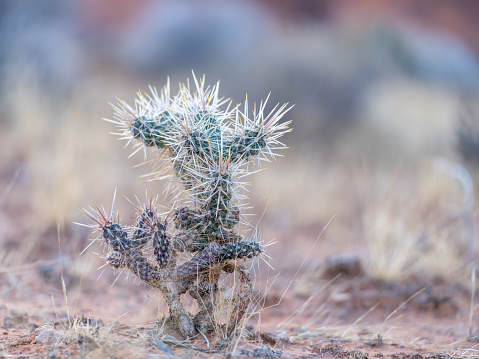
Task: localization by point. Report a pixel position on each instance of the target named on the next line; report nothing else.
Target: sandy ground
(333, 312)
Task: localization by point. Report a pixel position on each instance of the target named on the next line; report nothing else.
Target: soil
(335, 311)
(318, 304)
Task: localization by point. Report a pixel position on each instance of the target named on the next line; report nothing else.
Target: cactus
(206, 148)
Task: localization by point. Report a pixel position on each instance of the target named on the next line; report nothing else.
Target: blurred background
(380, 90)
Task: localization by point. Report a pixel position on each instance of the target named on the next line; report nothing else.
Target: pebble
(48, 336)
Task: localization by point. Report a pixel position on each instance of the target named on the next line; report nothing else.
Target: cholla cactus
(207, 148)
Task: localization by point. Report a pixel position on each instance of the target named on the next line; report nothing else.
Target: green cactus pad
(241, 250)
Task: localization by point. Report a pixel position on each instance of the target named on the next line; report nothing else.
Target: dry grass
(412, 228)
(402, 222)
(63, 151)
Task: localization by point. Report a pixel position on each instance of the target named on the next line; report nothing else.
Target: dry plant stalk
(206, 148)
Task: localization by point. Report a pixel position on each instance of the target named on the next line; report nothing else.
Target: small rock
(47, 271)
(48, 336)
(52, 355)
(273, 338)
(349, 266)
(339, 298)
(16, 320)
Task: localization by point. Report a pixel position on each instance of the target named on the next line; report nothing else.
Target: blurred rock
(189, 35)
(38, 39)
(432, 56)
(349, 266)
(340, 298)
(274, 338)
(402, 121)
(16, 320)
(48, 271)
(48, 337)
(467, 136)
